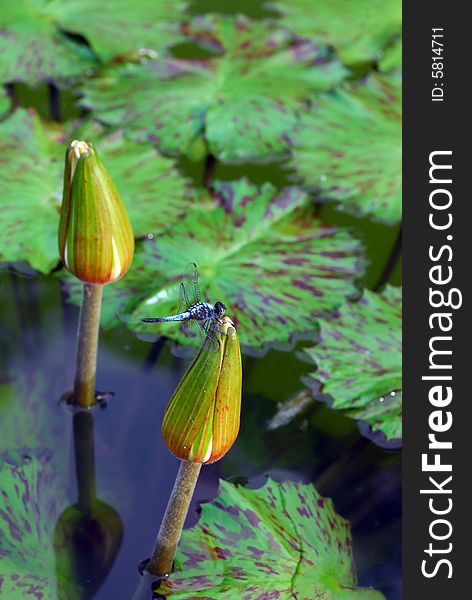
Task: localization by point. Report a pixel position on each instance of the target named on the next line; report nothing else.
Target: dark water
(135, 471)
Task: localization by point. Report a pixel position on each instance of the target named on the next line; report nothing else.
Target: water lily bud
(201, 421)
(96, 241)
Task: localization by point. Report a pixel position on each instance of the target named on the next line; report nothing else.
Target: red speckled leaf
(358, 29)
(359, 360)
(280, 541)
(30, 503)
(384, 416)
(240, 103)
(349, 146)
(114, 27)
(33, 45)
(260, 251)
(30, 192)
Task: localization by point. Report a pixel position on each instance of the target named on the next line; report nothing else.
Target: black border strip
(430, 126)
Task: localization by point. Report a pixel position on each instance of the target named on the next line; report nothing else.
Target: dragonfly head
(220, 309)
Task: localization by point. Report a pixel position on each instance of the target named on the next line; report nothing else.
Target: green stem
(87, 343)
(173, 522)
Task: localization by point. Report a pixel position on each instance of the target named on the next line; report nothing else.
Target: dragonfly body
(200, 318)
(201, 311)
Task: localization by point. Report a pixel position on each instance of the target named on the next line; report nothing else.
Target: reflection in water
(88, 534)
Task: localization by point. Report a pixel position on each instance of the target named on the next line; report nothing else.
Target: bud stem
(87, 343)
(174, 518)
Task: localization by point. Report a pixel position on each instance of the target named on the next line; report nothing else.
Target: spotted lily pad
(30, 504)
(128, 25)
(349, 146)
(31, 172)
(33, 44)
(280, 541)
(358, 29)
(260, 251)
(359, 360)
(30, 192)
(230, 102)
(385, 415)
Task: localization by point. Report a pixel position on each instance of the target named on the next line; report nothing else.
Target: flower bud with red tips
(96, 240)
(201, 421)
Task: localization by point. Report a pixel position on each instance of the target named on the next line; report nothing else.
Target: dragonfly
(201, 319)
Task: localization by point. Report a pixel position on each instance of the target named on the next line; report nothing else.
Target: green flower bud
(201, 421)
(96, 241)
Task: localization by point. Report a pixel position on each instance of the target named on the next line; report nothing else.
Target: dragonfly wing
(191, 285)
(209, 336)
(192, 330)
(184, 300)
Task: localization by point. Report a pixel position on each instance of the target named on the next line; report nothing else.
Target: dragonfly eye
(220, 309)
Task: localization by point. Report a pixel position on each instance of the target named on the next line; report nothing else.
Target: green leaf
(33, 44)
(127, 26)
(392, 58)
(260, 251)
(385, 415)
(30, 504)
(280, 541)
(5, 101)
(359, 360)
(358, 29)
(349, 145)
(232, 100)
(32, 47)
(30, 192)
(31, 173)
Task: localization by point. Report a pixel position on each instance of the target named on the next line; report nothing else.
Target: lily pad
(359, 360)
(385, 416)
(30, 503)
(34, 46)
(230, 102)
(260, 251)
(30, 192)
(392, 58)
(280, 541)
(31, 172)
(349, 146)
(358, 29)
(127, 26)
(5, 101)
